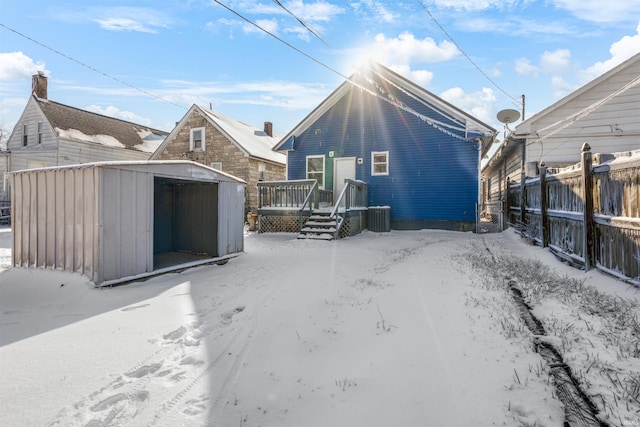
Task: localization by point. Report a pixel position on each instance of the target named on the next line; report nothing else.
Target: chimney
(268, 128)
(39, 85)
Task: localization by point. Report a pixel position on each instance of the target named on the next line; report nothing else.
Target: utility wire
(302, 23)
(281, 40)
(569, 120)
(430, 121)
(515, 100)
(92, 68)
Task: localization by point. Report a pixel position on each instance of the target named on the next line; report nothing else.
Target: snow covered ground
(412, 328)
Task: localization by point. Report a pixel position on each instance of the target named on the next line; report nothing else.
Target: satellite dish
(508, 116)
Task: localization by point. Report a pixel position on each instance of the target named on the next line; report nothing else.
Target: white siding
(613, 127)
(75, 152)
(31, 116)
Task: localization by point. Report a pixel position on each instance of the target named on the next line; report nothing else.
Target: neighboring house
(227, 145)
(53, 134)
(418, 154)
(605, 113)
(4, 170)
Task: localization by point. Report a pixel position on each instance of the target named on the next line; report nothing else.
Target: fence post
(523, 203)
(588, 217)
(544, 216)
(506, 211)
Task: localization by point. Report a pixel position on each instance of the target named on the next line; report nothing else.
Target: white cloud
(112, 111)
(379, 11)
(524, 67)
(558, 61)
(479, 104)
(512, 25)
(555, 62)
(124, 24)
(270, 25)
(601, 11)
(17, 65)
(560, 87)
(137, 19)
(421, 77)
(474, 5)
(620, 51)
(314, 12)
(407, 49)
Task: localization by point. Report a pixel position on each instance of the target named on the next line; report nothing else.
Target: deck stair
(320, 226)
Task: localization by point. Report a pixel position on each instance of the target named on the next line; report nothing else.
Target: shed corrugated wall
(126, 206)
(230, 218)
(55, 221)
(97, 219)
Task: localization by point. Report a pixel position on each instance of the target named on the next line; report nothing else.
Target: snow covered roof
(254, 142)
(74, 123)
(251, 141)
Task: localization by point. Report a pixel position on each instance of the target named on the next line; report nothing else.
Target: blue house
(379, 141)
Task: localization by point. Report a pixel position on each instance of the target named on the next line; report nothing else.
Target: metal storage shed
(117, 221)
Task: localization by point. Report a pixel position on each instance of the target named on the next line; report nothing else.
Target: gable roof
(251, 141)
(364, 79)
(525, 126)
(74, 123)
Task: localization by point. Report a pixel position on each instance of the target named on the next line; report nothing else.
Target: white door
(343, 168)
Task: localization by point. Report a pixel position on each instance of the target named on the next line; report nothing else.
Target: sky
(256, 61)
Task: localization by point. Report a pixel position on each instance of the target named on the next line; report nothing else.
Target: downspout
(479, 172)
(523, 195)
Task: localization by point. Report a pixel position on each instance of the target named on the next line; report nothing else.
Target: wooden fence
(588, 214)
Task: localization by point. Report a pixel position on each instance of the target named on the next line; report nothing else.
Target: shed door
(343, 168)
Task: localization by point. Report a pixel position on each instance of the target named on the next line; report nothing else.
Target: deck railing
(305, 196)
(288, 194)
(354, 194)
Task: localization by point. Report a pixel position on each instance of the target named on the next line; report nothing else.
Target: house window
(379, 163)
(25, 135)
(40, 130)
(262, 171)
(197, 139)
(315, 169)
(216, 166)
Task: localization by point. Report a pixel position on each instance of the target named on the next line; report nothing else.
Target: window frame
(40, 132)
(262, 171)
(192, 146)
(373, 163)
(25, 135)
(324, 168)
(218, 166)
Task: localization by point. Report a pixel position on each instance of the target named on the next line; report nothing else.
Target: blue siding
(432, 176)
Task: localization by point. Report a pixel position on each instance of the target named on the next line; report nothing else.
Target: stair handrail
(349, 184)
(309, 200)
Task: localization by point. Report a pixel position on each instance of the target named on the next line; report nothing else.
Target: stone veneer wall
(218, 149)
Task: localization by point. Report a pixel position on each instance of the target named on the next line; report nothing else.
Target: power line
(519, 103)
(302, 23)
(280, 40)
(91, 68)
(430, 121)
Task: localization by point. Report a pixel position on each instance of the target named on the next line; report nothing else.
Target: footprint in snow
(227, 316)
